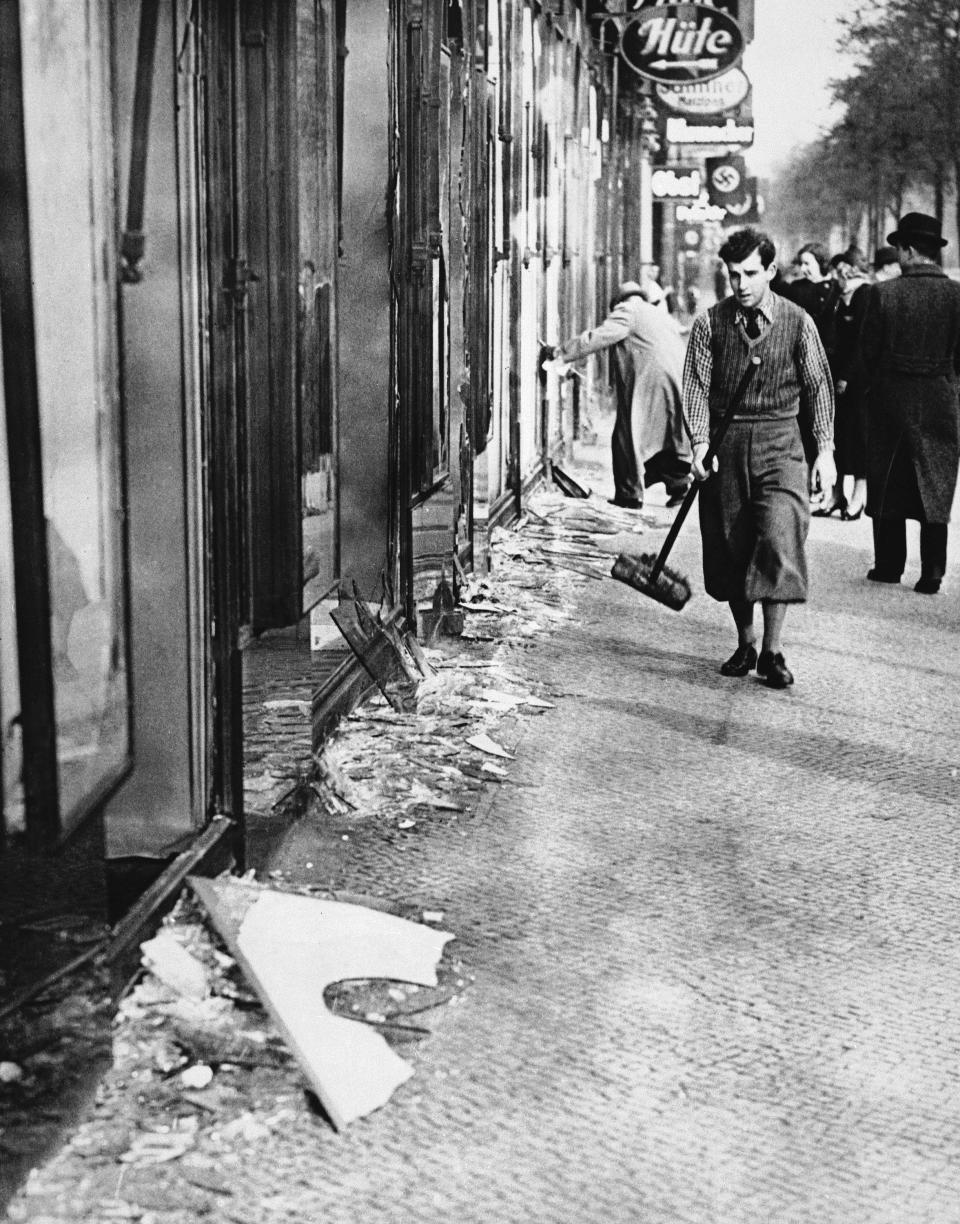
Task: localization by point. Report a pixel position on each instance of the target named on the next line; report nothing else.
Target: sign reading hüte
(674, 44)
(740, 10)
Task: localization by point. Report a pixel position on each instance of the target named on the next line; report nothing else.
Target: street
(713, 932)
(708, 930)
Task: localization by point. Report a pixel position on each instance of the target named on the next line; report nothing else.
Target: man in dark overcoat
(911, 351)
(755, 509)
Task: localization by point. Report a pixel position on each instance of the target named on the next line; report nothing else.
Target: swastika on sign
(726, 179)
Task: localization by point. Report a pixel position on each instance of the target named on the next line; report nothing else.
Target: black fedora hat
(917, 225)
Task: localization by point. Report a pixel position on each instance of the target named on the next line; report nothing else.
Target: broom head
(670, 588)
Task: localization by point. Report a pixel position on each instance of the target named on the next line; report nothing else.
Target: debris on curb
(169, 961)
(406, 766)
(291, 949)
(486, 744)
(202, 1075)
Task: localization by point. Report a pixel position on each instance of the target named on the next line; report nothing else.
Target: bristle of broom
(671, 589)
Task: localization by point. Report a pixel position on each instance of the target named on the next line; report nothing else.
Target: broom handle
(691, 494)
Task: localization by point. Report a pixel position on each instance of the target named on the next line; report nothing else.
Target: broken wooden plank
(379, 654)
(423, 663)
(291, 948)
(347, 688)
(212, 851)
(567, 485)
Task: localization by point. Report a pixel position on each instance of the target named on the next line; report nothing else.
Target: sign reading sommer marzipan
(712, 97)
(674, 44)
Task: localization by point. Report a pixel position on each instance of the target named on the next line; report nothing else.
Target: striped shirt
(811, 364)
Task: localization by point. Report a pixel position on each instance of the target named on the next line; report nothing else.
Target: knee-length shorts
(755, 515)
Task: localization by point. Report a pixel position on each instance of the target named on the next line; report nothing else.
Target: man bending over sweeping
(755, 512)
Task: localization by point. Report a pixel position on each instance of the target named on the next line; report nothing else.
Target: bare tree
(900, 126)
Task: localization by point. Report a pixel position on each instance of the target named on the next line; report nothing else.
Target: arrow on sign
(661, 65)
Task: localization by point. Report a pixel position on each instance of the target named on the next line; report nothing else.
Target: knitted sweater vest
(774, 392)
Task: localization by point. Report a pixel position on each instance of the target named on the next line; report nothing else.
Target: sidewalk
(704, 966)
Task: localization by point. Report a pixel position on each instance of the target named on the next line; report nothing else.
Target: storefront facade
(272, 325)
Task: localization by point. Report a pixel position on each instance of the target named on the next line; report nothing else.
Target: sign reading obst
(676, 183)
(674, 44)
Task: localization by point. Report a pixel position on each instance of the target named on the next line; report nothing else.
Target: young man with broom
(755, 508)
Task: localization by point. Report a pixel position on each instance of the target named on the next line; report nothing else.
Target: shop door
(492, 473)
(263, 272)
(477, 201)
(252, 262)
(320, 38)
(437, 510)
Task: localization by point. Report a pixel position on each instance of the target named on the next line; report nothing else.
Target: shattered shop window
(69, 187)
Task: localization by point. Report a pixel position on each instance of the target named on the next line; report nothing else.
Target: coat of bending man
(649, 442)
(755, 509)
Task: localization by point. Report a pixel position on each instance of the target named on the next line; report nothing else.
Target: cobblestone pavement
(714, 933)
(712, 929)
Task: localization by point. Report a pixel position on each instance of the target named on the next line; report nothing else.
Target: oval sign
(675, 44)
(712, 97)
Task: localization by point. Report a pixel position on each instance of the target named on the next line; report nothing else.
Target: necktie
(752, 323)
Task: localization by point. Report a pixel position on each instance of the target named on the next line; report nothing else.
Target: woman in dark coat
(911, 354)
(815, 290)
(849, 381)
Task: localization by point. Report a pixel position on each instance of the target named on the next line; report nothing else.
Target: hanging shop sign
(701, 211)
(740, 10)
(676, 183)
(714, 97)
(680, 131)
(726, 180)
(747, 210)
(675, 44)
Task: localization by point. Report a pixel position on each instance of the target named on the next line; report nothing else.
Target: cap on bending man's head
(628, 289)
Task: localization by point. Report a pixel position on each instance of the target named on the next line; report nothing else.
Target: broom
(648, 573)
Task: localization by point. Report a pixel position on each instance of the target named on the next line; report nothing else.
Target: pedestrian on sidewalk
(815, 288)
(911, 352)
(649, 442)
(886, 265)
(849, 381)
(755, 510)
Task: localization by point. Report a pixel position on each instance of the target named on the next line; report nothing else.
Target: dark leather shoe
(773, 670)
(626, 503)
(927, 586)
(743, 660)
(876, 575)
